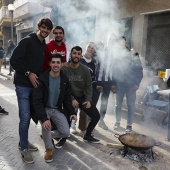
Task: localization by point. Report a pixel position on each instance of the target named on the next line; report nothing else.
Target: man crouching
(52, 100)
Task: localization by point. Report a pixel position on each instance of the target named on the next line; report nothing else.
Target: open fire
(138, 155)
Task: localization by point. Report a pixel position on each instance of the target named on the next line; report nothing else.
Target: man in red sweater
(56, 45)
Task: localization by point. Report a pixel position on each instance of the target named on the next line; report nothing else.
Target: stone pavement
(76, 154)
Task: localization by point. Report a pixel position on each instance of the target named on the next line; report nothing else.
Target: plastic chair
(154, 101)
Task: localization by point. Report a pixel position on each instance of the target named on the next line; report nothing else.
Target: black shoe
(10, 74)
(3, 111)
(60, 143)
(91, 139)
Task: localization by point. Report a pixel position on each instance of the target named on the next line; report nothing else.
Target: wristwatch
(27, 73)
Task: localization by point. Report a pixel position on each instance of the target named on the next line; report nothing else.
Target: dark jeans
(104, 99)
(92, 112)
(95, 96)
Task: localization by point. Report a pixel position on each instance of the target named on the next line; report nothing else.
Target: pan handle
(157, 143)
(116, 135)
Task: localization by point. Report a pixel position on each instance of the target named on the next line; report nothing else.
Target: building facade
(145, 24)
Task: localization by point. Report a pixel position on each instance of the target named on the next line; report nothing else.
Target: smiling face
(76, 56)
(90, 48)
(55, 65)
(44, 31)
(58, 35)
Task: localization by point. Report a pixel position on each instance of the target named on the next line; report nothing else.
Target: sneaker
(60, 143)
(48, 155)
(117, 125)
(90, 139)
(128, 128)
(31, 147)
(3, 111)
(26, 156)
(73, 130)
(102, 125)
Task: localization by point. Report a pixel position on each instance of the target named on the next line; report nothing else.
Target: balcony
(27, 8)
(5, 19)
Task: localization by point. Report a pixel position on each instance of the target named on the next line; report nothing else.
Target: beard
(75, 62)
(60, 40)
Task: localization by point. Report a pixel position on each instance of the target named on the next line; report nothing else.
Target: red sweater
(52, 48)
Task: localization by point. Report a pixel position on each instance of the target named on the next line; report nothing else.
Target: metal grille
(158, 41)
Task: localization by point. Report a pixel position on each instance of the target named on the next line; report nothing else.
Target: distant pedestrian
(9, 54)
(2, 52)
(52, 100)
(27, 59)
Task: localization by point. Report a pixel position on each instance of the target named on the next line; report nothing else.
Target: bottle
(72, 123)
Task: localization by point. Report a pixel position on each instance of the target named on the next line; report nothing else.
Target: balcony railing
(18, 3)
(4, 13)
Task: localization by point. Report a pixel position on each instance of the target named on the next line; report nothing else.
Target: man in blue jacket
(52, 100)
(26, 60)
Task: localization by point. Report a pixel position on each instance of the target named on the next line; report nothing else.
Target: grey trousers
(61, 123)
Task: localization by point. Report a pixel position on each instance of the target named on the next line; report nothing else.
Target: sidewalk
(76, 154)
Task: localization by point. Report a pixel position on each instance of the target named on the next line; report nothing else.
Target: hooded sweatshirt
(27, 56)
(52, 48)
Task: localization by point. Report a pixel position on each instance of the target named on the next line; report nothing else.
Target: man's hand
(75, 104)
(33, 79)
(46, 125)
(113, 89)
(136, 87)
(73, 117)
(99, 88)
(88, 105)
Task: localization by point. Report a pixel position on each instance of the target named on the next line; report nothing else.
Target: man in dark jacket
(127, 73)
(26, 60)
(49, 99)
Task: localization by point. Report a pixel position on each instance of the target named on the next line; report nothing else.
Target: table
(167, 94)
(164, 92)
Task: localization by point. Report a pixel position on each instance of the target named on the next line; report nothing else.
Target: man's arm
(46, 59)
(38, 103)
(67, 102)
(17, 60)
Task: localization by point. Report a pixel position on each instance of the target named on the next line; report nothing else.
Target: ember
(138, 155)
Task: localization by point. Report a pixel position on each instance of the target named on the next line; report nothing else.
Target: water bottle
(72, 123)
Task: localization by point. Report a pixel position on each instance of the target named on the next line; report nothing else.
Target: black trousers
(104, 99)
(92, 112)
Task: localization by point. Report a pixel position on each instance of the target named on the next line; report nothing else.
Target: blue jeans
(23, 96)
(130, 93)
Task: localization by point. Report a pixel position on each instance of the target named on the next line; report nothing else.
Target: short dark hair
(47, 22)
(55, 56)
(77, 48)
(59, 28)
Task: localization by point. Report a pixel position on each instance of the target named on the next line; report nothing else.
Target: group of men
(51, 93)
